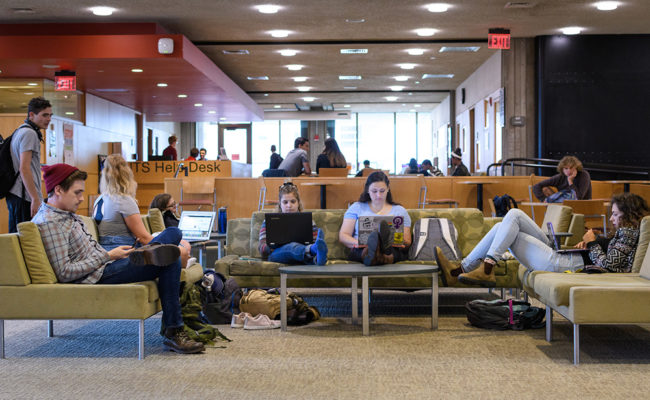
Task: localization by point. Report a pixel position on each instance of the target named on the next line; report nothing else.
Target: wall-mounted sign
(499, 38)
(65, 81)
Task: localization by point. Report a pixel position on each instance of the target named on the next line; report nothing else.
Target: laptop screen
(196, 225)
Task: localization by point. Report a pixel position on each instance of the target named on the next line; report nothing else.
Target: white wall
(439, 123)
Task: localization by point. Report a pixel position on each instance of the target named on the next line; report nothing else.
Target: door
(236, 142)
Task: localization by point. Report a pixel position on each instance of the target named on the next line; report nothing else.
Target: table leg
(283, 302)
(323, 197)
(355, 301)
(626, 187)
(201, 255)
(479, 196)
(434, 300)
(364, 301)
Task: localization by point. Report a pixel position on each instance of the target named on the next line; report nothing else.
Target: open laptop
(556, 242)
(369, 224)
(196, 225)
(283, 228)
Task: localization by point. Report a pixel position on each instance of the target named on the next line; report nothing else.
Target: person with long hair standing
(376, 200)
(331, 157)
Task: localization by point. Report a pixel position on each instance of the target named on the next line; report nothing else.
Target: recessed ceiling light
(23, 10)
(268, 8)
(294, 67)
(235, 52)
(434, 76)
(161, 84)
(401, 78)
(51, 66)
(182, 96)
(355, 20)
(354, 51)
(417, 82)
(102, 11)
(437, 7)
(277, 106)
(396, 88)
(212, 112)
(223, 119)
(258, 78)
(349, 77)
(32, 84)
(309, 99)
(403, 104)
(299, 78)
(571, 30)
(425, 32)
(69, 113)
(137, 70)
(163, 114)
(459, 49)
(288, 52)
(417, 105)
(198, 105)
(407, 66)
(303, 88)
(346, 105)
(606, 5)
(415, 52)
(349, 87)
(412, 110)
(279, 33)
(266, 95)
(391, 98)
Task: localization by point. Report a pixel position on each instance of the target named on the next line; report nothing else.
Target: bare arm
(28, 181)
(136, 226)
(345, 233)
(307, 168)
(408, 237)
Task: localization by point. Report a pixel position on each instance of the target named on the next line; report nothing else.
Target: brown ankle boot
(480, 276)
(449, 270)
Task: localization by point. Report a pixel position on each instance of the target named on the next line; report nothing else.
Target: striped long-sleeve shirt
(73, 253)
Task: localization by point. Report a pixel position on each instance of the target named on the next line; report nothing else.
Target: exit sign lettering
(65, 83)
(499, 41)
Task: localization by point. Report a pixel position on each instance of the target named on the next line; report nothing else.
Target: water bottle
(223, 220)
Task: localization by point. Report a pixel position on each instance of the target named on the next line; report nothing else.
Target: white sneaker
(260, 321)
(191, 261)
(238, 320)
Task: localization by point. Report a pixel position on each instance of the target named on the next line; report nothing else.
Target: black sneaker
(386, 237)
(178, 341)
(155, 254)
(372, 245)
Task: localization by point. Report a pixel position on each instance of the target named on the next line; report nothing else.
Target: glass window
(265, 134)
(376, 140)
(346, 136)
(405, 143)
(207, 136)
(425, 137)
(289, 131)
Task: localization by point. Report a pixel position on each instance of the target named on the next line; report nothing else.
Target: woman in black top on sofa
(331, 157)
(167, 206)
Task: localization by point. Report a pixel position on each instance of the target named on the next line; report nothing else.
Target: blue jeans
(292, 253)
(19, 211)
(122, 271)
(526, 241)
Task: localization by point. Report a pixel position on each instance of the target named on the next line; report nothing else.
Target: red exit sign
(65, 81)
(498, 41)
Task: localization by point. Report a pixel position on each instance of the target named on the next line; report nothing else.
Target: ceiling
(318, 31)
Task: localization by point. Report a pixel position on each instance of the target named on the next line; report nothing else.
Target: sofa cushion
(642, 247)
(555, 288)
(156, 221)
(238, 237)
(90, 225)
(645, 267)
(38, 265)
(13, 271)
(559, 215)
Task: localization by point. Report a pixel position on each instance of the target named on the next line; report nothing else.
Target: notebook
(369, 224)
(196, 225)
(283, 228)
(558, 248)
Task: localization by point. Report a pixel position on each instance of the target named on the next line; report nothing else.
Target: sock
(457, 271)
(488, 264)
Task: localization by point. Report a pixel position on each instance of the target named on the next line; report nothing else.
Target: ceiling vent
(437, 76)
(111, 90)
(23, 10)
(520, 4)
(354, 51)
(235, 52)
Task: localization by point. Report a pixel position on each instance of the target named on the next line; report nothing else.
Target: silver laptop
(196, 225)
(369, 224)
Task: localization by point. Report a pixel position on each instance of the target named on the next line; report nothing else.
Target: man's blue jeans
(122, 271)
(19, 211)
(292, 253)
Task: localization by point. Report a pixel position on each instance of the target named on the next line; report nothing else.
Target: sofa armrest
(577, 228)
(611, 305)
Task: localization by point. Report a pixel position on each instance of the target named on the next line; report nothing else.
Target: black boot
(386, 236)
(155, 254)
(176, 339)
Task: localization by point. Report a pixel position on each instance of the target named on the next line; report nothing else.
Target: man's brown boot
(449, 270)
(480, 276)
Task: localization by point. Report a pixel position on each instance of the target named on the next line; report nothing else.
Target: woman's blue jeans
(292, 253)
(122, 271)
(526, 241)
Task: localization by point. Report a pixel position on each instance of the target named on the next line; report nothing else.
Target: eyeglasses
(173, 205)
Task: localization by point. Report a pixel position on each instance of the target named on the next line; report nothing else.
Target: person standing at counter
(572, 183)
(297, 159)
(170, 151)
(194, 152)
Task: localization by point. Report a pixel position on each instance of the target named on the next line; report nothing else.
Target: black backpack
(503, 203)
(218, 308)
(504, 314)
(8, 174)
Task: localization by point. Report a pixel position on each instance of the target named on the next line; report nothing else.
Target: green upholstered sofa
(595, 299)
(29, 287)
(243, 262)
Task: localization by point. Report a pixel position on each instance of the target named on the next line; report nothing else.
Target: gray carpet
(329, 359)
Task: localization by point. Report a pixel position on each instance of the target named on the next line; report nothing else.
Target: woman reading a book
(383, 246)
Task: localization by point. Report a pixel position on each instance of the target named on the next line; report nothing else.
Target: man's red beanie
(55, 174)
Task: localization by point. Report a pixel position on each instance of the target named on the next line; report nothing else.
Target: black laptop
(558, 248)
(283, 228)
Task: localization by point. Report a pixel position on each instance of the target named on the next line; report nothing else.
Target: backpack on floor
(219, 299)
(431, 232)
(503, 204)
(258, 301)
(8, 174)
(504, 314)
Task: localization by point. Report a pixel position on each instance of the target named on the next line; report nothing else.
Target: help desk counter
(195, 178)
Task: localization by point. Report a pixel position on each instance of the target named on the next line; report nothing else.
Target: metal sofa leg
(2, 338)
(576, 344)
(503, 293)
(50, 328)
(549, 324)
(526, 296)
(141, 340)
